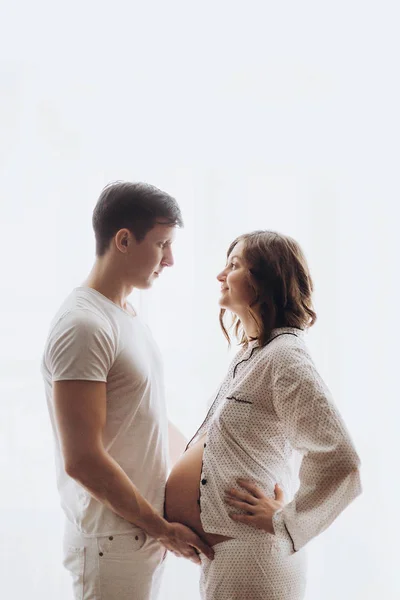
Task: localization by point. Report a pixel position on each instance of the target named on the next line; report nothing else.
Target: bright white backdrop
(279, 116)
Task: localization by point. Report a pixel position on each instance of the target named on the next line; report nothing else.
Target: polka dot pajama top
(271, 406)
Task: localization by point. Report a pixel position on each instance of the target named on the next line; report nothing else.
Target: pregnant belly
(182, 493)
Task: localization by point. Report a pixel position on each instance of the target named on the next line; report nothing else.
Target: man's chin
(150, 280)
(145, 285)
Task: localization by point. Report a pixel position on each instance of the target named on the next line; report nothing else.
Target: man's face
(147, 259)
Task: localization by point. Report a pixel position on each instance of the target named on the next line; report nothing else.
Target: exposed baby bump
(182, 494)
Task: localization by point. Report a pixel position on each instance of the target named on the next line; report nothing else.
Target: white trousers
(120, 567)
(256, 569)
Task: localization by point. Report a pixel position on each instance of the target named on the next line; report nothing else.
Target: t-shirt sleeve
(329, 473)
(81, 347)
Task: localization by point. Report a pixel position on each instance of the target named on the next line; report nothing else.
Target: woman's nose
(221, 276)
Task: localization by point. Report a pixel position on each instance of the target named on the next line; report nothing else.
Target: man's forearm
(106, 481)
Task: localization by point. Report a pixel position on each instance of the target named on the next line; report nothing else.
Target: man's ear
(122, 239)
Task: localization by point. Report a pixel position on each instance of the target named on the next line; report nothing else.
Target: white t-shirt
(91, 338)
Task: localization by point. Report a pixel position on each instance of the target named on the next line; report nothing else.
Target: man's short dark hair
(134, 206)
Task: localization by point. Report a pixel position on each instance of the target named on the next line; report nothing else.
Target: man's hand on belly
(182, 541)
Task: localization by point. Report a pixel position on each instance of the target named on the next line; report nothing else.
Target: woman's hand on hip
(259, 509)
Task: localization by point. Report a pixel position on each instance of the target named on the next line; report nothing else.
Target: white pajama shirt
(271, 405)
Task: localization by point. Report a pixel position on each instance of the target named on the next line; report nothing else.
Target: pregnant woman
(234, 485)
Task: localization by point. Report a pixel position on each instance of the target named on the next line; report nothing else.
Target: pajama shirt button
(100, 554)
(203, 481)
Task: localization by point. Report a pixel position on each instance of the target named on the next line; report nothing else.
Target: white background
(253, 115)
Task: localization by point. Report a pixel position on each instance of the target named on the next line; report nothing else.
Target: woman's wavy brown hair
(280, 278)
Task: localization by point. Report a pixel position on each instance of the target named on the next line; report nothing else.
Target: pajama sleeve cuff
(280, 528)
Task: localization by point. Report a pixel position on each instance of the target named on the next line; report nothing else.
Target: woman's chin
(222, 302)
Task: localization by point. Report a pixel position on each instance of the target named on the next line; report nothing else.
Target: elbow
(343, 471)
(350, 482)
(348, 461)
(357, 482)
(355, 474)
(81, 463)
(73, 468)
(78, 468)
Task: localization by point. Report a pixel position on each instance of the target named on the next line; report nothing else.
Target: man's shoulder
(79, 312)
(83, 318)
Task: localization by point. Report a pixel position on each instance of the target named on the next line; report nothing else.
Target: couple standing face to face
(104, 382)
(135, 226)
(143, 261)
(265, 282)
(99, 361)
(138, 263)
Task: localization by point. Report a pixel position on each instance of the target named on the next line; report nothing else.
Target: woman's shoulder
(286, 345)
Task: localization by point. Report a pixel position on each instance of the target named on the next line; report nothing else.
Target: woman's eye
(233, 266)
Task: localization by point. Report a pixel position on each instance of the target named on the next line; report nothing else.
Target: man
(104, 387)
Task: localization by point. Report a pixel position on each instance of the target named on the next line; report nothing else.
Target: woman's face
(236, 292)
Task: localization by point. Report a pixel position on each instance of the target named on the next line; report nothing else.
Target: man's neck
(109, 283)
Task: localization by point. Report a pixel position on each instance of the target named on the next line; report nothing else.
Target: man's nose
(168, 259)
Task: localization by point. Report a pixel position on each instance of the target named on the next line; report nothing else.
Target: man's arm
(80, 411)
(177, 443)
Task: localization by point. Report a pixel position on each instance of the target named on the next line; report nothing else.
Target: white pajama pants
(117, 567)
(256, 569)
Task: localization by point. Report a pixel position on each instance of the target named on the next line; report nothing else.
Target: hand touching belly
(182, 493)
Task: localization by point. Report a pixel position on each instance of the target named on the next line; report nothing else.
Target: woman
(271, 406)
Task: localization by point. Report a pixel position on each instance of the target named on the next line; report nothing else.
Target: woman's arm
(329, 472)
